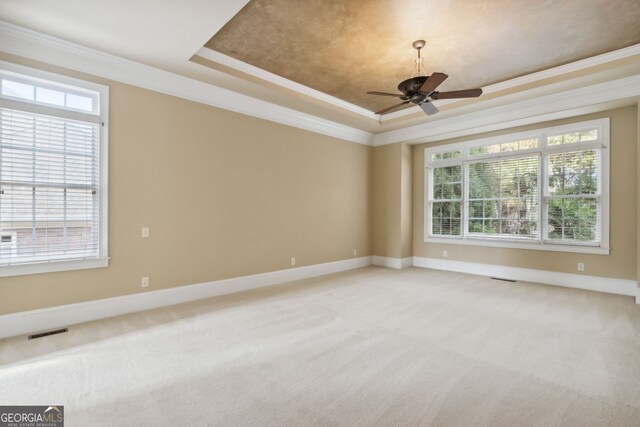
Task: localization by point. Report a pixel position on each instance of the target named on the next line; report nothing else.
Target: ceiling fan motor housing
(412, 86)
(419, 98)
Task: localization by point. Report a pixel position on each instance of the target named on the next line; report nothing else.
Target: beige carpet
(373, 346)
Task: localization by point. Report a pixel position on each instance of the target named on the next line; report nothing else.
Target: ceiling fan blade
(429, 108)
(395, 95)
(433, 82)
(468, 93)
(386, 110)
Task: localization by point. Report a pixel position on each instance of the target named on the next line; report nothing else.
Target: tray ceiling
(347, 47)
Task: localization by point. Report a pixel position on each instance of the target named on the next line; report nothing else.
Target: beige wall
(387, 183)
(622, 261)
(393, 200)
(224, 194)
(406, 201)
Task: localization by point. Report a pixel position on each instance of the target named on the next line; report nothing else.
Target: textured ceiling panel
(348, 47)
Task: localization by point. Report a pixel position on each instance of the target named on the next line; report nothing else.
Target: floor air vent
(46, 334)
(504, 280)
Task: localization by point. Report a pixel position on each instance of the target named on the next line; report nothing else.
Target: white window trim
(522, 243)
(102, 260)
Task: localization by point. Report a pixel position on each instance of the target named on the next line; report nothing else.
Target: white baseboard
(579, 281)
(398, 263)
(54, 317)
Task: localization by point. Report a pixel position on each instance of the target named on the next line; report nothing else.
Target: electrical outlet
(145, 232)
(355, 252)
(581, 266)
(293, 260)
(145, 282)
(444, 254)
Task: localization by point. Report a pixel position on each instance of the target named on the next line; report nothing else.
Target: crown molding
(40, 47)
(33, 45)
(243, 67)
(534, 110)
(534, 77)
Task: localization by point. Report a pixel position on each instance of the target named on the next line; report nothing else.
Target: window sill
(550, 247)
(52, 266)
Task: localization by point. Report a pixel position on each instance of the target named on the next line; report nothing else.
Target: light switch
(145, 232)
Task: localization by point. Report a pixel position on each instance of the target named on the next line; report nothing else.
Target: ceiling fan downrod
(418, 45)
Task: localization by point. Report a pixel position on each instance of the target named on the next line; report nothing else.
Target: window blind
(573, 196)
(49, 188)
(446, 201)
(503, 197)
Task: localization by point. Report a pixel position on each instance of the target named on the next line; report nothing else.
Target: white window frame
(100, 115)
(602, 143)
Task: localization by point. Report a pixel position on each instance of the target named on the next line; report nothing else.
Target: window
(546, 189)
(503, 197)
(447, 200)
(53, 172)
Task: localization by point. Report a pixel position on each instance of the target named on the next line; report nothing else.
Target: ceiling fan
(421, 90)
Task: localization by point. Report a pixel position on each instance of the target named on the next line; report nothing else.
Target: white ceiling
(160, 33)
